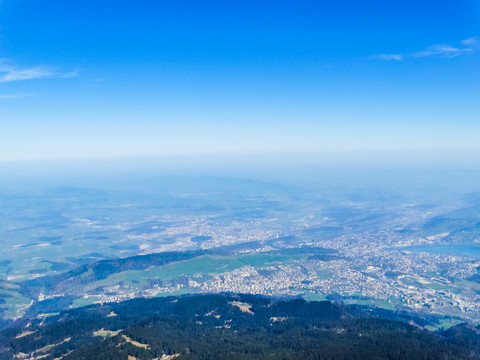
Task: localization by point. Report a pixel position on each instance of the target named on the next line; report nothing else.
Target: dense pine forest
(231, 327)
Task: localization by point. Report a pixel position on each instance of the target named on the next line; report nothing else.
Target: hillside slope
(229, 327)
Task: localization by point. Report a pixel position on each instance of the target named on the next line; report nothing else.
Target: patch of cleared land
(135, 343)
(36, 354)
(50, 347)
(25, 333)
(168, 357)
(106, 333)
(244, 307)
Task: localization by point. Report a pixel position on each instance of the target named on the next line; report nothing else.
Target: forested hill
(68, 281)
(230, 327)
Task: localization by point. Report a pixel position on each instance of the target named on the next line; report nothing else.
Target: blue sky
(114, 79)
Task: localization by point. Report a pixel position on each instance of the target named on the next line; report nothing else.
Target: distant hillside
(70, 280)
(230, 327)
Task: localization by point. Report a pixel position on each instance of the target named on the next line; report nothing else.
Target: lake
(469, 250)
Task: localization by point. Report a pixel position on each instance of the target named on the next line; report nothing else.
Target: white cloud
(9, 73)
(397, 57)
(466, 47)
(443, 50)
(70, 74)
(14, 96)
(473, 41)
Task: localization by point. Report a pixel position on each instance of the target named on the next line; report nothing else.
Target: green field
(182, 291)
(312, 296)
(15, 304)
(84, 302)
(444, 324)
(203, 266)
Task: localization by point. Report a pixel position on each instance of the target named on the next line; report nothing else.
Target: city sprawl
(388, 252)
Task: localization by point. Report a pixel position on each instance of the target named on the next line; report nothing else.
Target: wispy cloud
(14, 96)
(465, 47)
(396, 57)
(70, 74)
(443, 50)
(10, 73)
(473, 42)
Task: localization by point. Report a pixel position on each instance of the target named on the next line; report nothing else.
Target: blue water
(461, 250)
